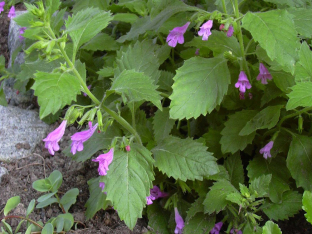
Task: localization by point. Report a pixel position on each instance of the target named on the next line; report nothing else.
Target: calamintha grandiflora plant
(201, 108)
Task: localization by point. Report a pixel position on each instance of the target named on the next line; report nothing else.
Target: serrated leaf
(283, 80)
(101, 42)
(136, 86)
(271, 228)
(30, 207)
(307, 205)
(234, 166)
(201, 223)
(266, 118)
(52, 6)
(303, 70)
(280, 175)
(291, 3)
(270, 93)
(290, 205)
(106, 72)
(221, 175)
(300, 96)
(260, 185)
(85, 24)
(141, 57)
(215, 200)
(299, 161)
(236, 198)
(97, 199)
(69, 198)
(196, 207)
(303, 20)
(231, 141)
(275, 32)
(11, 204)
(133, 172)
(162, 124)
(83, 4)
(158, 218)
(165, 81)
(212, 138)
(54, 91)
(199, 86)
(125, 17)
(184, 159)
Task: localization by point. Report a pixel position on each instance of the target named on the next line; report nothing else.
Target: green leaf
(54, 91)
(59, 224)
(69, 198)
(277, 168)
(266, 118)
(45, 197)
(162, 124)
(307, 205)
(236, 198)
(46, 202)
(102, 41)
(106, 72)
(200, 85)
(42, 185)
(196, 207)
(291, 3)
(283, 80)
(275, 32)
(299, 161)
(212, 138)
(303, 70)
(303, 20)
(47, 229)
(215, 200)
(271, 228)
(83, 4)
(7, 227)
(184, 159)
(260, 185)
(290, 205)
(141, 57)
(97, 199)
(85, 24)
(30, 207)
(3, 101)
(136, 86)
(125, 17)
(158, 218)
(133, 172)
(68, 221)
(165, 81)
(11, 204)
(201, 223)
(52, 6)
(231, 141)
(137, 6)
(228, 6)
(56, 180)
(234, 166)
(300, 96)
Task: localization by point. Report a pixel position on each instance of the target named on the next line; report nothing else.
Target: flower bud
(300, 124)
(127, 148)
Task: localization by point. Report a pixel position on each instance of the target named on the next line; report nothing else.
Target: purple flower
(230, 31)
(150, 199)
(51, 141)
(266, 150)
(243, 82)
(84, 94)
(179, 222)
(176, 35)
(197, 52)
(80, 137)
(157, 193)
(236, 231)
(11, 14)
(128, 148)
(21, 32)
(104, 160)
(216, 229)
(205, 30)
(241, 96)
(2, 6)
(264, 74)
(102, 186)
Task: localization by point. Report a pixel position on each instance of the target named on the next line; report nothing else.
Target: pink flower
(51, 141)
(157, 193)
(21, 32)
(2, 6)
(150, 199)
(264, 74)
(243, 82)
(236, 231)
(176, 35)
(241, 96)
(230, 31)
(179, 222)
(84, 94)
(216, 229)
(266, 150)
(11, 14)
(205, 30)
(221, 27)
(80, 137)
(102, 186)
(128, 148)
(104, 160)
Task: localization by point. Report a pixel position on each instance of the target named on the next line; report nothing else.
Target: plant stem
(292, 115)
(224, 6)
(59, 201)
(21, 217)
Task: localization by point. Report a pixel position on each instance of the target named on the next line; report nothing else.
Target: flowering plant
(165, 83)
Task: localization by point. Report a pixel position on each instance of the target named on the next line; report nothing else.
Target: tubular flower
(155, 194)
(104, 160)
(102, 186)
(266, 150)
(80, 137)
(243, 82)
(176, 35)
(2, 6)
(230, 31)
(150, 199)
(264, 74)
(21, 32)
(11, 14)
(179, 222)
(128, 148)
(241, 95)
(216, 229)
(205, 30)
(51, 141)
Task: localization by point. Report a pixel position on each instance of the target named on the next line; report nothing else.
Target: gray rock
(3, 171)
(14, 42)
(20, 131)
